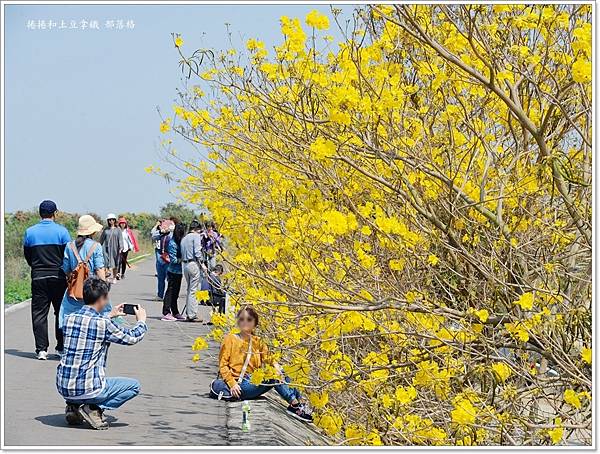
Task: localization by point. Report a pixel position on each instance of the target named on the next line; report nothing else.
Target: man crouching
(80, 375)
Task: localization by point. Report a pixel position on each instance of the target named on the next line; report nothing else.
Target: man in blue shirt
(43, 247)
(80, 376)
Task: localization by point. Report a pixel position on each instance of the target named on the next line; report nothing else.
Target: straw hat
(88, 225)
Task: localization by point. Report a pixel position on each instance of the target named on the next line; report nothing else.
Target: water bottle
(245, 416)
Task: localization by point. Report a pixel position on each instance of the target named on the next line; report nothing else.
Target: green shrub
(16, 271)
(16, 290)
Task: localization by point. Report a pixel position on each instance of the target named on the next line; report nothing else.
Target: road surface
(173, 408)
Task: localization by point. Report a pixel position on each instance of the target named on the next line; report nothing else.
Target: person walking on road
(174, 275)
(88, 251)
(161, 235)
(43, 247)
(191, 256)
(130, 244)
(80, 376)
(112, 244)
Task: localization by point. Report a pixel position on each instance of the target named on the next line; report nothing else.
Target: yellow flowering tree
(409, 210)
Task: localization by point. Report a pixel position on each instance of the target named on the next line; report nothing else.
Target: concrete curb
(270, 425)
(15, 307)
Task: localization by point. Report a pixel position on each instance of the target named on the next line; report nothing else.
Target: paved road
(172, 408)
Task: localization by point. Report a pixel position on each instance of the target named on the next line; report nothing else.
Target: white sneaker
(43, 355)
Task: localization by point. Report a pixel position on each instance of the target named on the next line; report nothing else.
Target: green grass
(17, 281)
(16, 291)
(137, 258)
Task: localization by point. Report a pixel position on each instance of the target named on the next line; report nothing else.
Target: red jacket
(133, 239)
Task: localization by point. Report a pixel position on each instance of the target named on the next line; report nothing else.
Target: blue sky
(81, 121)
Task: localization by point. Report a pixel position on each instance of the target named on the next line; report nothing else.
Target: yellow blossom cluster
(409, 210)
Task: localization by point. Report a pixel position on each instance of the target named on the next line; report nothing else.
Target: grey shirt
(191, 247)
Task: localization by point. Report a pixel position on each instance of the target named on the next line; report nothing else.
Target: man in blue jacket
(44, 247)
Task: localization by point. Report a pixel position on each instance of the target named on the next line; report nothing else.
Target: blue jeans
(116, 392)
(250, 391)
(161, 272)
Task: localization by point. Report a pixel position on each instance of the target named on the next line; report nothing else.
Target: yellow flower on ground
(178, 41)
(196, 358)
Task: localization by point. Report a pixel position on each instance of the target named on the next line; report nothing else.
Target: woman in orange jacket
(243, 353)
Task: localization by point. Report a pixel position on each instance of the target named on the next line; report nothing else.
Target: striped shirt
(87, 334)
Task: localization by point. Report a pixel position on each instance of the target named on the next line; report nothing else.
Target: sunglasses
(245, 319)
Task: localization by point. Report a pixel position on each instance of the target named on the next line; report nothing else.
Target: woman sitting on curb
(243, 353)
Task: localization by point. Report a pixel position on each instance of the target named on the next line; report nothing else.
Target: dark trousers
(218, 300)
(161, 273)
(46, 292)
(172, 294)
(123, 263)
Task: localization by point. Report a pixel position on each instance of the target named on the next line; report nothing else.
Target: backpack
(164, 248)
(80, 273)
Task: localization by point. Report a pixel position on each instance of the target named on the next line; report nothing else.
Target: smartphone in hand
(129, 309)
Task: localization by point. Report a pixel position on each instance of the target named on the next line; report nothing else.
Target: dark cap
(47, 208)
(194, 225)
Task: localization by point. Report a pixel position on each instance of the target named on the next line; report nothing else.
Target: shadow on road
(22, 354)
(58, 420)
(30, 355)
